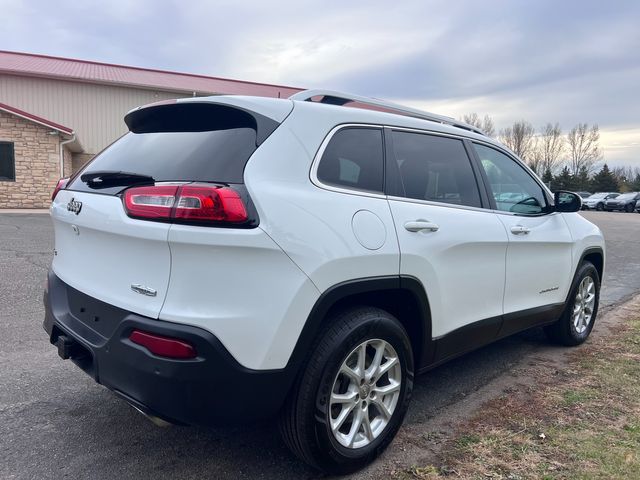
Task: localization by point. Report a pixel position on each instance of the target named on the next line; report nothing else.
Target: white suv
(232, 258)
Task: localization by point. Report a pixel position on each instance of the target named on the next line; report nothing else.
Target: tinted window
(434, 168)
(354, 159)
(513, 188)
(211, 145)
(7, 162)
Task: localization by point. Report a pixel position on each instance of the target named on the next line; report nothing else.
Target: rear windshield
(204, 145)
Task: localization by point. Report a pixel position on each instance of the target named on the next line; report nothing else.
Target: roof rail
(338, 98)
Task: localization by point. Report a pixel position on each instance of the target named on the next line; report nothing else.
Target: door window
(354, 159)
(513, 188)
(433, 168)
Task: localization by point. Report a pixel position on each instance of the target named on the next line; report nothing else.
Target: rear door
(539, 255)
(447, 240)
(125, 261)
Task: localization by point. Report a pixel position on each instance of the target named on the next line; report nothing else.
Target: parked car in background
(638, 206)
(625, 202)
(584, 194)
(597, 200)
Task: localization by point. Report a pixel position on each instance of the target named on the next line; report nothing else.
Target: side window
(354, 159)
(513, 188)
(434, 168)
(7, 162)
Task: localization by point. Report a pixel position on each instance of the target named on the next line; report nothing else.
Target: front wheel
(629, 208)
(351, 398)
(576, 322)
(600, 207)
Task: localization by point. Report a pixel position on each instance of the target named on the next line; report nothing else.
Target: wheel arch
(402, 296)
(595, 255)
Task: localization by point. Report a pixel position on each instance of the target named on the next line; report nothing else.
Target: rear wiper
(109, 178)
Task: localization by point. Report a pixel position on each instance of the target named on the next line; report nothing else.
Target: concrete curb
(25, 211)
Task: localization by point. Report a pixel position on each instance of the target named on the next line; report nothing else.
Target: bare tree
(520, 138)
(485, 123)
(549, 148)
(584, 147)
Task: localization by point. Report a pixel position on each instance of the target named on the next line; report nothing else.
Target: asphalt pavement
(55, 422)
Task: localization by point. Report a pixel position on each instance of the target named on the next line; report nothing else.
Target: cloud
(543, 61)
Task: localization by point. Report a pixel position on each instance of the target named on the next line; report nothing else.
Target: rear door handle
(520, 230)
(421, 225)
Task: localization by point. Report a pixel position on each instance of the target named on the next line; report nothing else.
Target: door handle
(520, 230)
(421, 225)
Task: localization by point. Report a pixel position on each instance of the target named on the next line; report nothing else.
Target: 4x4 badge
(74, 206)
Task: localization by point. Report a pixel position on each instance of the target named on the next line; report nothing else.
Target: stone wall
(37, 163)
(79, 160)
(68, 162)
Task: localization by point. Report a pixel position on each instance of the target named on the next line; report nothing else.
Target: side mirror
(567, 202)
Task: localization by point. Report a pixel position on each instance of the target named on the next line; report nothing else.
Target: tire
(570, 330)
(629, 208)
(306, 419)
(600, 207)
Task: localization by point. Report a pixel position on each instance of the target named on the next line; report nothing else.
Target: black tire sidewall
(586, 269)
(336, 457)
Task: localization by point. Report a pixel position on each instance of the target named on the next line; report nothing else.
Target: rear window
(181, 142)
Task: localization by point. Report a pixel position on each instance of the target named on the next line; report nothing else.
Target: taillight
(163, 346)
(59, 186)
(191, 203)
(150, 202)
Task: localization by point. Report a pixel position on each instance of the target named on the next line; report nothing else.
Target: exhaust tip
(157, 421)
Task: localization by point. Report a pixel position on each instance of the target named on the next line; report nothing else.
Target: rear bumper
(212, 388)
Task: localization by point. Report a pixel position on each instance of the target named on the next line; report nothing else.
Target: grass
(582, 422)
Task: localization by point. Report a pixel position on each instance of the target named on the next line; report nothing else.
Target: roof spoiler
(174, 116)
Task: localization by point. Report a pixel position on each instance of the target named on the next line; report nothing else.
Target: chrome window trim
(313, 174)
(417, 201)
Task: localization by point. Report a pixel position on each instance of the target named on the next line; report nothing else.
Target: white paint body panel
(461, 265)
(539, 264)
(311, 224)
(239, 285)
(111, 252)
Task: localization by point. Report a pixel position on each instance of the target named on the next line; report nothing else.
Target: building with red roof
(56, 113)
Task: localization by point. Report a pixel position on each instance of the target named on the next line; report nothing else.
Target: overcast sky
(564, 61)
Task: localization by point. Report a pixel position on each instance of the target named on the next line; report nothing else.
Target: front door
(540, 244)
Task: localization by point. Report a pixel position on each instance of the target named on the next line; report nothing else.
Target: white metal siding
(94, 111)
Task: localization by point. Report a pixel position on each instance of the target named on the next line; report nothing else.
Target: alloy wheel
(365, 393)
(584, 304)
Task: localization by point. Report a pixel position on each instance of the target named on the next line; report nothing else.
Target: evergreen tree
(604, 181)
(581, 181)
(547, 177)
(564, 180)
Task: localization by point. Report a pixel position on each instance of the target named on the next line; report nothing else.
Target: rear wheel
(351, 398)
(629, 208)
(576, 322)
(600, 207)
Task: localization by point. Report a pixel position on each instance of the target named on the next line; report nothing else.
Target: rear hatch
(100, 249)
